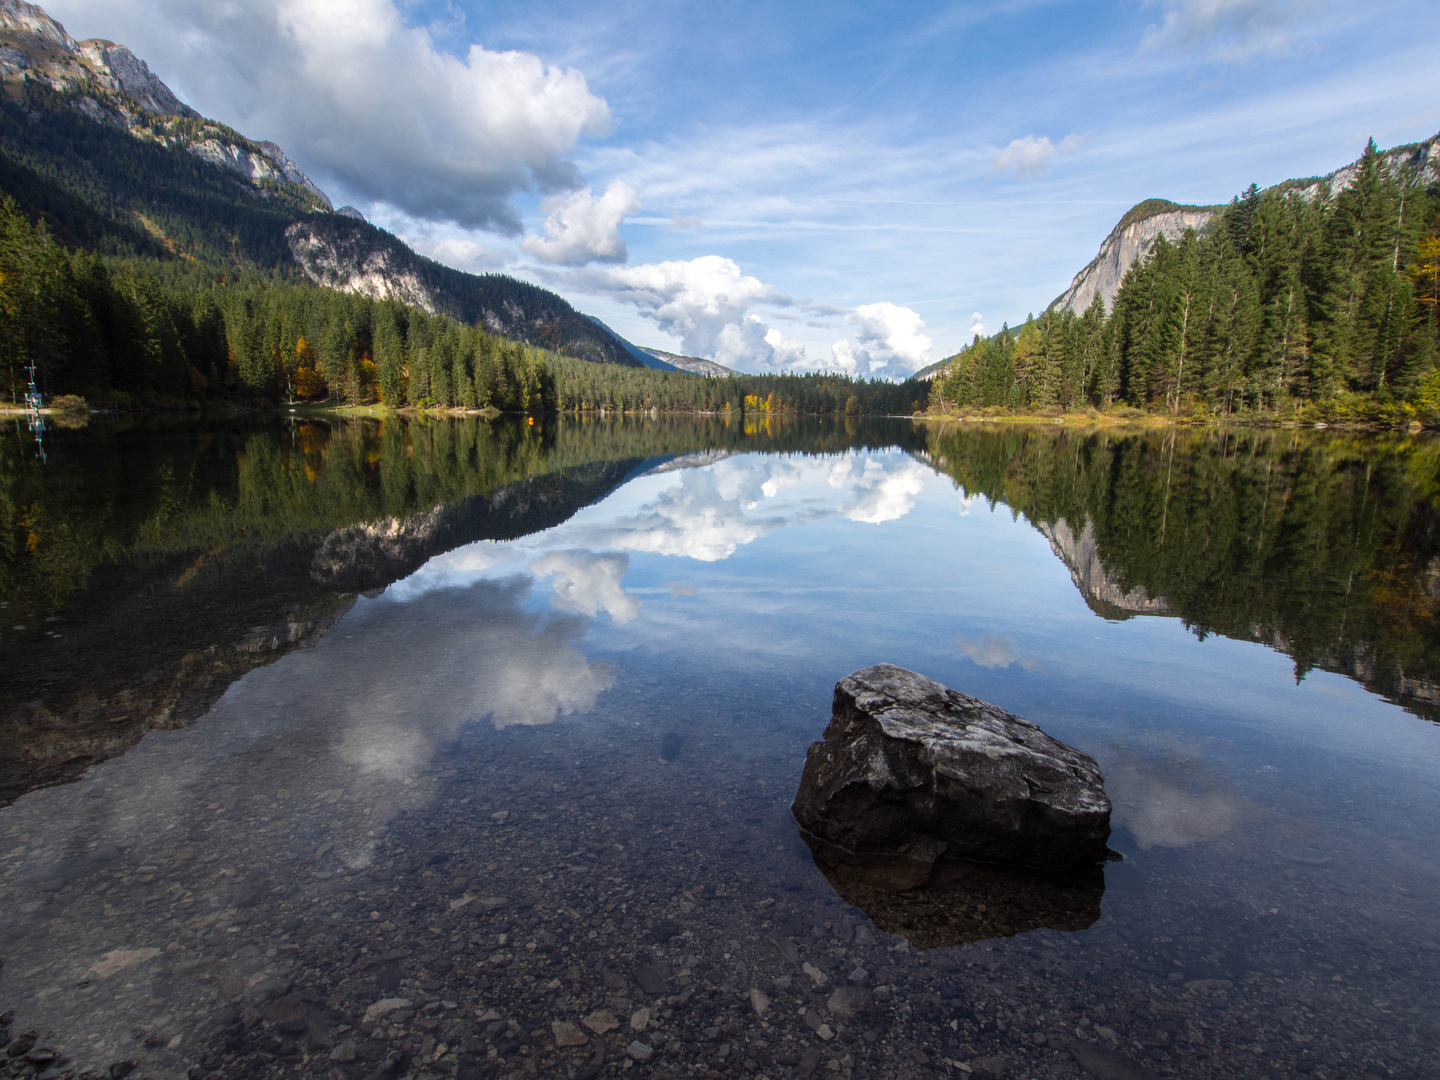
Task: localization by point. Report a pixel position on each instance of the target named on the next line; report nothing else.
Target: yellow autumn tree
(1426, 272)
(309, 385)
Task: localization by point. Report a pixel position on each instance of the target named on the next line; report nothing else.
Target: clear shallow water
(544, 777)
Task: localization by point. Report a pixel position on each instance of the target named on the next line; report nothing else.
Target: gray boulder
(910, 770)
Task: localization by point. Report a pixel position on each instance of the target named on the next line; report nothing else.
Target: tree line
(1285, 303)
(174, 332)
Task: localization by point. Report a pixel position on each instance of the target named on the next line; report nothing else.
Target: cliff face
(111, 85)
(1414, 165)
(1127, 242)
(344, 252)
(353, 260)
(1417, 164)
(693, 364)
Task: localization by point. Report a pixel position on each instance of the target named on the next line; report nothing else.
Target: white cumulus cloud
(977, 325)
(581, 229)
(1031, 154)
(705, 302)
(993, 651)
(361, 98)
(885, 494)
(889, 342)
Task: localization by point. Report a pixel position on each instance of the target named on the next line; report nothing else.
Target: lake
(361, 748)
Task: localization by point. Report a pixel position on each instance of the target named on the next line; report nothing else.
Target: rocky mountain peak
(110, 84)
(131, 75)
(1127, 242)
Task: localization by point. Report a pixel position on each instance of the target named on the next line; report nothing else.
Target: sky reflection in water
(718, 601)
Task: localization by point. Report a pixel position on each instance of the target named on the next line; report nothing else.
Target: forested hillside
(1324, 306)
(159, 210)
(167, 331)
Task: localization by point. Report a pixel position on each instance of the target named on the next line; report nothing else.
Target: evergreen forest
(134, 273)
(1321, 307)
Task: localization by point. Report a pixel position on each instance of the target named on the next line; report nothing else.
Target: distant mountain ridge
(1135, 233)
(692, 364)
(94, 143)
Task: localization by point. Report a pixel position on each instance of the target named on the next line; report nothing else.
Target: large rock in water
(911, 770)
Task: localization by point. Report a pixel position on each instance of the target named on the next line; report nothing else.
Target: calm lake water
(360, 749)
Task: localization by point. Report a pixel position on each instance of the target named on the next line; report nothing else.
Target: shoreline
(1095, 419)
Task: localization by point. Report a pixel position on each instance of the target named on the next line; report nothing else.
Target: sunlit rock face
(910, 771)
(111, 85)
(1130, 241)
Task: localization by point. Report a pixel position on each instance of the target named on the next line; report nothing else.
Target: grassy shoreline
(1402, 420)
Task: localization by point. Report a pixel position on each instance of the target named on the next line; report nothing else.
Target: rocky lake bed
(627, 915)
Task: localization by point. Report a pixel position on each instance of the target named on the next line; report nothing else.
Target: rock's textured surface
(910, 770)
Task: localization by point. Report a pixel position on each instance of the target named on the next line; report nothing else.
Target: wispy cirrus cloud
(1228, 31)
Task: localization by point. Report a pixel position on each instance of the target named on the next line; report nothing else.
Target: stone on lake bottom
(848, 1002)
(639, 1051)
(1105, 1064)
(652, 978)
(759, 1001)
(567, 1034)
(117, 960)
(600, 1021)
(383, 1007)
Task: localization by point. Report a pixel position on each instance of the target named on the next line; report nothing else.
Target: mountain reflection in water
(1323, 545)
(485, 737)
(149, 566)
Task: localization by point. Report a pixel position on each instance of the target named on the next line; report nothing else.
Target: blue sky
(840, 185)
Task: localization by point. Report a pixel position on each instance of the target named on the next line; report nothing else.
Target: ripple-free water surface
(521, 808)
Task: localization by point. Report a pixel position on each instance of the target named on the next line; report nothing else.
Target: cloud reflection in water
(706, 513)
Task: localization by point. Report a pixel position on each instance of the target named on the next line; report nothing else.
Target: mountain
(1127, 242)
(343, 251)
(111, 85)
(692, 364)
(929, 371)
(96, 145)
(660, 360)
(1415, 164)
